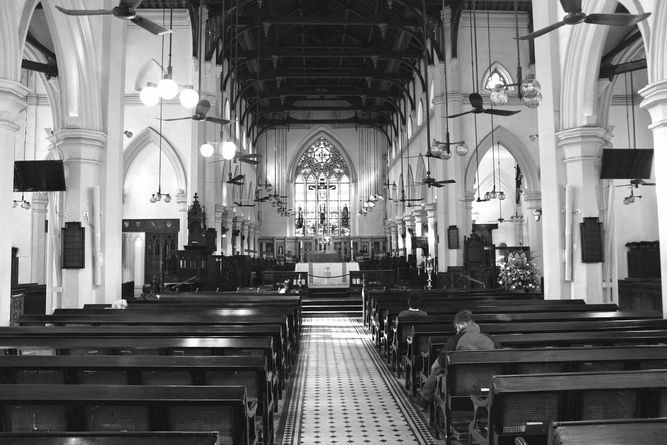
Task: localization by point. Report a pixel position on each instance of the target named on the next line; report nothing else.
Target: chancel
(214, 212)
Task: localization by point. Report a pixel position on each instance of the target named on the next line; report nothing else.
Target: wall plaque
(74, 241)
(591, 241)
(453, 237)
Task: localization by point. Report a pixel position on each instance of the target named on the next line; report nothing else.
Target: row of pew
(568, 373)
(186, 369)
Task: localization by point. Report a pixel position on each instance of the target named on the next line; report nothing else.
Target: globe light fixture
(188, 97)
(462, 149)
(206, 150)
(498, 95)
(530, 91)
(228, 150)
(446, 154)
(149, 95)
(501, 195)
(167, 88)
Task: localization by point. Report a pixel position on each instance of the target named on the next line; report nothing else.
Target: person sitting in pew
(468, 337)
(414, 306)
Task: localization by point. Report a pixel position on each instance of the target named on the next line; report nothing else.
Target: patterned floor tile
(344, 394)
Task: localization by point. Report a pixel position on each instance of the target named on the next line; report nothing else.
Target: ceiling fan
(432, 182)
(200, 114)
(574, 16)
(125, 10)
(247, 158)
(636, 183)
(478, 107)
(236, 180)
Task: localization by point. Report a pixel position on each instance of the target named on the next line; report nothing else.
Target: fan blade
(571, 6)
(177, 119)
(435, 184)
(131, 4)
(498, 112)
(85, 11)
(237, 178)
(249, 161)
(150, 26)
(218, 120)
(476, 100)
(249, 155)
(446, 181)
(616, 19)
(542, 31)
(458, 114)
(648, 183)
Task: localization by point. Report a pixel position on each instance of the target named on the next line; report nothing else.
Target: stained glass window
(322, 192)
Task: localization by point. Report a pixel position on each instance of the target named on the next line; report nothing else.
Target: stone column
(218, 209)
(39, 201)
(655, 102)
(83, 151)
(582, 150)
(400, 236)
(182, 206)
(408, 223)
(393, 228)
(252, 238)
(12, 103)
(533, 202)
(433, 248)
(387, 234)
(419, 217)
(518, 221)
(227, 223)
(245, 231)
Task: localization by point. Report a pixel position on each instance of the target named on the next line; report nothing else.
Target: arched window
(497, 74)
(322, 192)
(420, 112)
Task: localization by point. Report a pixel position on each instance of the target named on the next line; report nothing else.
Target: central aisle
(344, 394)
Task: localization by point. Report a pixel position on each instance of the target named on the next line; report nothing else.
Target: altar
(327, 274)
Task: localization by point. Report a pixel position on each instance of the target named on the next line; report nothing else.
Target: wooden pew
(609, 432)
(523, 405)
(395, 336)
(560, 339)
(249, 371)
(133, 408)
(469, 372)
(111, 438)
(418, 338)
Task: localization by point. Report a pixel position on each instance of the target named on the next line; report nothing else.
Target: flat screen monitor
(626, 163)
(39, 176)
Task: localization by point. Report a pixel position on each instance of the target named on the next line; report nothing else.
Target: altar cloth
(327, 274)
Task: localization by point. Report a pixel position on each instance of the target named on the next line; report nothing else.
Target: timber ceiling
(340, 62)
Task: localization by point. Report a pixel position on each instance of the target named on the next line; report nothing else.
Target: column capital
(655, 102)
(13, 100)
(39, 201)
(582, 143)
(81, 145)
(431, 209)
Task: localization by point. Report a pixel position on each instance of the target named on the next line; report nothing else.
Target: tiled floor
(344, 394)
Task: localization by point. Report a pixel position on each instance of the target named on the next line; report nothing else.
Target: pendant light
(529, 89)
(158, 196)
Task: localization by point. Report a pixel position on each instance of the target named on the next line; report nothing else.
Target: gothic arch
(656, 48)
(516, 148)
(147, 136)
(75, 46)
(580, 94)
(309, 140)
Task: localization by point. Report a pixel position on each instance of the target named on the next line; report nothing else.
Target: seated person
(147, 293)
(287, 287)
(468, 337)
(414, 306)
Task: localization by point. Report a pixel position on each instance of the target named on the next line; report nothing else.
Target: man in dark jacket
(414, 305)
(469, 338)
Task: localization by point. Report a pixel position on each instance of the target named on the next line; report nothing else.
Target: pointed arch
(148, 72)
(516, 148)
(309, 140)
(151, 136)
(421, 191)
(500, 73)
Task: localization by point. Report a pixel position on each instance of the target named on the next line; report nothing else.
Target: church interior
(220, 214)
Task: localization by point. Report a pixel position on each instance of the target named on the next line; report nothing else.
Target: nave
(344, 394)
